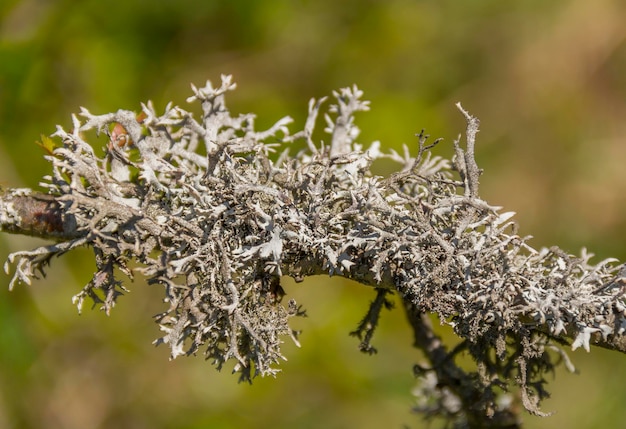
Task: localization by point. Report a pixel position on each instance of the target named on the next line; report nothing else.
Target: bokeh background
(547, 80)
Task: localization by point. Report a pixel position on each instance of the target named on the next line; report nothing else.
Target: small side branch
(472, 171)
(458, 394)
(367, 326)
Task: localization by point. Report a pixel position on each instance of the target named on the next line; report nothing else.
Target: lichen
(206, 209)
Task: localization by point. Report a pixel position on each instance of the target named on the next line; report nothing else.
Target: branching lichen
(203, 208)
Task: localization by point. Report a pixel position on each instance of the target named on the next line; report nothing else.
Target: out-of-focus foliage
(546, 79)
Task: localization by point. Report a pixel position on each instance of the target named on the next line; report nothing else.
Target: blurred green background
(547, 80)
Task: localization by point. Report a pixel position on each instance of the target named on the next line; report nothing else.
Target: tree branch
(218, 231)
(446, 390)
(25, 212)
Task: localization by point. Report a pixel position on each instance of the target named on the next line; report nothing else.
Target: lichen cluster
(203, 207)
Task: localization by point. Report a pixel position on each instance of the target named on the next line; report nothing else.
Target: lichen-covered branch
(217, 212)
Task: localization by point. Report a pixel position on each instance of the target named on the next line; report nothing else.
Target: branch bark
(25, 212)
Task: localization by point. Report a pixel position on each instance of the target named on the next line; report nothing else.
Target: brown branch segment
(25, 212)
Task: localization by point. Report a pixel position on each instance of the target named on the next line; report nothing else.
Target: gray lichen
(204, 208)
